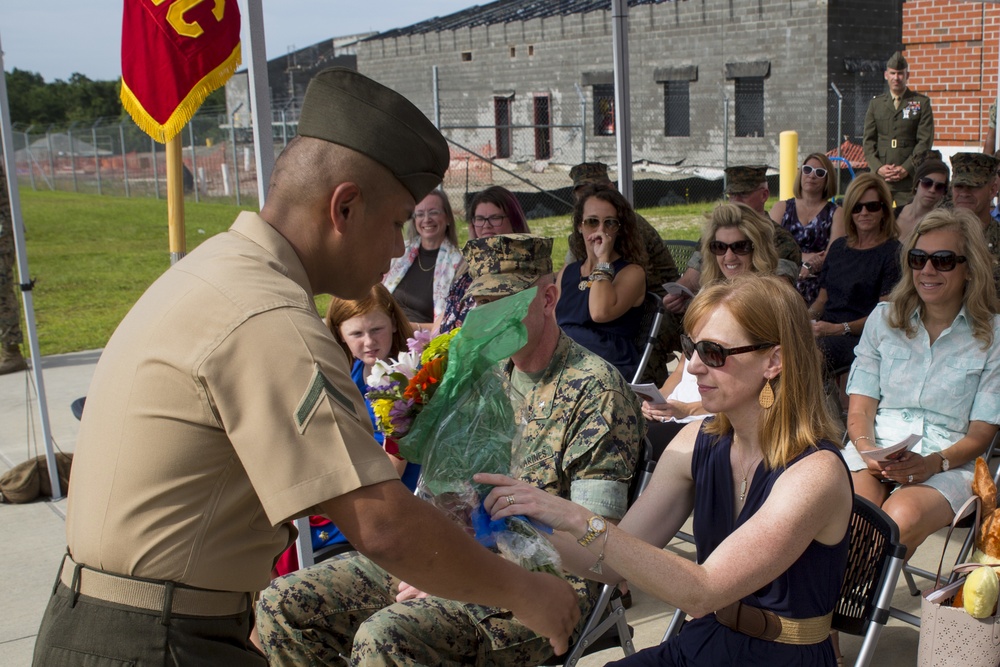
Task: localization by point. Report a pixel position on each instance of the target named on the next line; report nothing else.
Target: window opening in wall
(466, 56)
(543, 133)
(531, 49)
(604, 109)
(750, 106)
(677, 108)
(501, 116)
(513, 52)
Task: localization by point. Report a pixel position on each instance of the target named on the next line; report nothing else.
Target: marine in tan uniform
(222, 408)
(974, 184)
(898, 125)
(582, 429)
(744, 185)
(661, 269)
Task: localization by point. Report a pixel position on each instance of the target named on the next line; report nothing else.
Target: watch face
(597, 524)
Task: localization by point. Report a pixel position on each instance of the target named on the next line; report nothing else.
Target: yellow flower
(381, 408)
(438, 347)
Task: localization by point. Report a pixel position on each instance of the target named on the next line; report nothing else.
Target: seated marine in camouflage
(584, 426)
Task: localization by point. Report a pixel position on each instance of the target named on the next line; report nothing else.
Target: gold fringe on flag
(188, 106)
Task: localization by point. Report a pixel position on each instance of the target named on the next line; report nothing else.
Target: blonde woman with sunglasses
(739, 240)
(811, 217)
(600, 297)
(928, 364)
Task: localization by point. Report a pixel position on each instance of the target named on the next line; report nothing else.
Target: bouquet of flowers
(450, 409)
(399, 390)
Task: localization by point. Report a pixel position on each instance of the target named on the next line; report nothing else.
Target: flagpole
(175, 200)
(17, 225)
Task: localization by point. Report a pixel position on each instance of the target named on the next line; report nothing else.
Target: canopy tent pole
(17, 225)
(260, 98)
(623, 115)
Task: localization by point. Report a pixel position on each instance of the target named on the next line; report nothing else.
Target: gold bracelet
(864, 437)
(597, 569)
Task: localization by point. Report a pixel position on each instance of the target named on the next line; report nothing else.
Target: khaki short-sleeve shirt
(221, 408)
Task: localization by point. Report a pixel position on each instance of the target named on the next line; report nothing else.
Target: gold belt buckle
(893, 143)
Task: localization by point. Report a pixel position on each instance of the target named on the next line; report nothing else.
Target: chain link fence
(528, 149)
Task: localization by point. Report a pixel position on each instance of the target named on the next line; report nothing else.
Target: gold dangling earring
(766, 397)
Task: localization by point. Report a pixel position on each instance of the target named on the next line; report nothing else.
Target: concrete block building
(712, 81)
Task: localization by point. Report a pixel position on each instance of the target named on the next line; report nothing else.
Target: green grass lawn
(92, 256)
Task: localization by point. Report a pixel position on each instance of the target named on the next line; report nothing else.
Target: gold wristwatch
(596, 526)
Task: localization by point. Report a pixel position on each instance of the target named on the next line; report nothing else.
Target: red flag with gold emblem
(174, 54)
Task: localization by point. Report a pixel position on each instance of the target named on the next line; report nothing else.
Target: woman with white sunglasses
(600, 297)
(810, 217)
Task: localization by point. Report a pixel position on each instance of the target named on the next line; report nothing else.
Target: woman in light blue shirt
(928, 363)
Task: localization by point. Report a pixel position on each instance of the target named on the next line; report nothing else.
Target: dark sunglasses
(808, 169)
(610, 224)
(942, 260)
(714, 355)
(930, 183)
(739, 247)
(870, 206)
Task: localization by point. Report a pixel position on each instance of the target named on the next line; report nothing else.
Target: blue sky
(59, 37)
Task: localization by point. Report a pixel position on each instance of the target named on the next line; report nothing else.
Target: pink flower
(417, 344)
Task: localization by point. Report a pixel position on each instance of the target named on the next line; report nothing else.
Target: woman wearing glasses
(928, 364)
(930, 185)
(492, 212)
(420, 279)
(860, 270)
(741, 241)
(771, 494)
(809, 216)
(600, 297)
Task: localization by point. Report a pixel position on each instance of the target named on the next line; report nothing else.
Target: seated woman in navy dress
(860, 270)
(771, 495)
(600, 298)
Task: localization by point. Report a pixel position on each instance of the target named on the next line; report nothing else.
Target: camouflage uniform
(976, 170)
(10, 310)
(582, 429)
(992, 232)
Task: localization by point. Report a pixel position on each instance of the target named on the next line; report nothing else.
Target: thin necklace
(421, 264)
(746, 473)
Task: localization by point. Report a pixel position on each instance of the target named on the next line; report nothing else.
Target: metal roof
(506, 11)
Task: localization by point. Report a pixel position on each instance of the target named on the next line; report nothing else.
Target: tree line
(35, 102)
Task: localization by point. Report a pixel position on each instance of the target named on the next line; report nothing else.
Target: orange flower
(429, 375)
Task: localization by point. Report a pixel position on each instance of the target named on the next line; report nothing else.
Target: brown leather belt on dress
(161, 596)
(764, 624)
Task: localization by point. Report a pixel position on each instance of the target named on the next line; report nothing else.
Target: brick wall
(951, 47)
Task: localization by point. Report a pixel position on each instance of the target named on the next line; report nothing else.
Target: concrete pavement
(34, 535)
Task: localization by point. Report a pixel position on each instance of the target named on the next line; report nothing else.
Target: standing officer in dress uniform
(222, 408)
(898, 125)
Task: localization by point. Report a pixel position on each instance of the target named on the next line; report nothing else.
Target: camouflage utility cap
(347, 108)
(589, 172)
(506, 264)
(897, 61)
(741, 180)
(972, 169)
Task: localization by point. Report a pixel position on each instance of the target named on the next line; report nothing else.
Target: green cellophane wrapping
(470, 425)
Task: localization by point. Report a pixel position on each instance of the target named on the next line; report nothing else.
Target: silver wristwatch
(945, 464)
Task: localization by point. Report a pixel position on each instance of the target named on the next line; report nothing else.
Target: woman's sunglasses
(942, 260)
(610, 224)
(739, 247)
(870, 206)
(809, 169)
(931, 184)
(714, 355)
